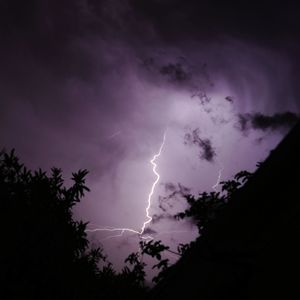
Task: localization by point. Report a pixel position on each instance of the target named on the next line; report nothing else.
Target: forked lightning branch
(122, 230)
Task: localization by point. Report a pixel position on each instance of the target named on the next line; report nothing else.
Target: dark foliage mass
(205, 207)
(45, 253)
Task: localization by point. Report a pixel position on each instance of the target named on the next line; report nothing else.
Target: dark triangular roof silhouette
(251, 251)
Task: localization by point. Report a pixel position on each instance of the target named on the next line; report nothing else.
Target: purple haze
(92, 86)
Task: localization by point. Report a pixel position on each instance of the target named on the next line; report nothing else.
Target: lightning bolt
(148, 217)
(215, 186)
(152, 161)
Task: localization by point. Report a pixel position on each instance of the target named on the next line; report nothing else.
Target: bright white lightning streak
(215, 186)
(149, 218)
(152, 161)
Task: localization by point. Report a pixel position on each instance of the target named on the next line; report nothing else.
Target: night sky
(87, 84)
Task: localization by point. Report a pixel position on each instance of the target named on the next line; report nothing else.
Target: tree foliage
(45, 252)
(204, 208)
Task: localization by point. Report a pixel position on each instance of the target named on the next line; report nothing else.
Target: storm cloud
(175, 72)
(258, 121)
(207, 151)
(156, 218)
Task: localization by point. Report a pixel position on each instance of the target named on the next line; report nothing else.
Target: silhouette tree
(205, 208)
(154, 249)
(45, 253)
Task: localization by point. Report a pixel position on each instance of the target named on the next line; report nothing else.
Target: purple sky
(95, 84)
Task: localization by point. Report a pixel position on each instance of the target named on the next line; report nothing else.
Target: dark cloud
(156, 218)
(274, 122)
(195, 78)
(243, 122)
(170, 187)
(265, 21)
(175, 72)
(229, 99)
(178, 189)
(164, 203)
(174, 192)
(203, 98)
(61, 36)
(171, 20)
(207, 151)
(149, 230)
